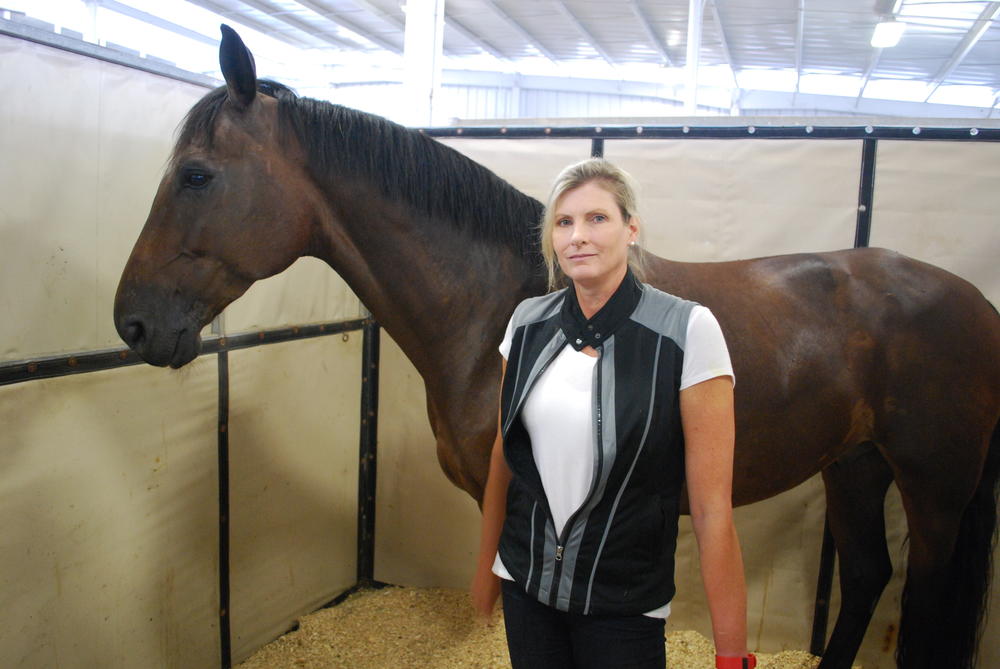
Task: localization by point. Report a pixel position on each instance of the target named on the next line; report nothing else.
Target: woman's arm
(709, 434)
(485, 584)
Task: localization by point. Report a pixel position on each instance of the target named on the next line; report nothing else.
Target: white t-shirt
(558, 414)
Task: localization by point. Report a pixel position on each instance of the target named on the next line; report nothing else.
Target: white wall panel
(709, 200)
(950, 219)
(84, 143)
(294, 420)
(109, 504)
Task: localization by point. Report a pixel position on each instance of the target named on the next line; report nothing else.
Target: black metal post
(597, 147)
(367, 452)
(824, 586)
(866, 193)
(225, 643)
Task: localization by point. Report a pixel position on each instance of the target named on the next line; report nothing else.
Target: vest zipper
(598, 444)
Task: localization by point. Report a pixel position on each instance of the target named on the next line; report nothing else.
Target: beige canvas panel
(293, 432)
(84, 144)
(938, 202)
(708, 200)
(530, 165)
(109, 504)
(426, 529)
(307, 292)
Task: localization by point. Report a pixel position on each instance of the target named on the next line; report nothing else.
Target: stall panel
(84, 143)
(938, 202)
(307, 292)
(710, 200)
(293, 429)
(529, 165)
(110, 515)
(426, 529)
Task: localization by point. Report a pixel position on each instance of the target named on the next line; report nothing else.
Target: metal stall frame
(691, 129)
(20, 371)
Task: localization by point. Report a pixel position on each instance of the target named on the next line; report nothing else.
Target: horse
(864, 365)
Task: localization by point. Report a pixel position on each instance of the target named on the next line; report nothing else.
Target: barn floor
(433, 628)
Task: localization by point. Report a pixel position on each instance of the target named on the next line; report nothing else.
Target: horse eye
(196, 179)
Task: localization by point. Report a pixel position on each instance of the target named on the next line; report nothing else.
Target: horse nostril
(133, 333)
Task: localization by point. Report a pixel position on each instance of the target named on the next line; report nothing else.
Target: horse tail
(969, 573)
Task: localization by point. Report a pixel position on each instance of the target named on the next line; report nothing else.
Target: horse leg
(856, 485)
(952, 522)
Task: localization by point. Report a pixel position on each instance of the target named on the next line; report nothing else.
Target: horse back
(831, 350)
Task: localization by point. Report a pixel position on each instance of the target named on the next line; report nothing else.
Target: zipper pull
(559, 552)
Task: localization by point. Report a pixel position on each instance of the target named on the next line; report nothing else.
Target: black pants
(540, 637)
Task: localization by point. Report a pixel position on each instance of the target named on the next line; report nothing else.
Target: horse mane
(403, 164)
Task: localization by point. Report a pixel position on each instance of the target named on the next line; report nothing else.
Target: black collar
(581, 332)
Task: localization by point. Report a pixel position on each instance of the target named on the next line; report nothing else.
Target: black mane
(403, 164)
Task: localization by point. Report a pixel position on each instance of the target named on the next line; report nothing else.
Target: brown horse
(865, 365)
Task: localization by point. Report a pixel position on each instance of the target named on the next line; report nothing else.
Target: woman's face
(590, 236)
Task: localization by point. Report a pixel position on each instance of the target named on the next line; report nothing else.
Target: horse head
(209, 234)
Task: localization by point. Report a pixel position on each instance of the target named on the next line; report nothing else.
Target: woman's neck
(592, 297)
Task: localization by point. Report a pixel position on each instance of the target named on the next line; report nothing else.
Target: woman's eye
(600, 218)
(562, 222)
(196, 179)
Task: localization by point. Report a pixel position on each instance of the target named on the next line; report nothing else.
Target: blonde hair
(615, 181)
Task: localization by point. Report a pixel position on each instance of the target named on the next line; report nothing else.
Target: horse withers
(865, 365)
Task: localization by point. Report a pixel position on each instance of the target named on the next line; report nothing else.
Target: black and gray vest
(616, 552)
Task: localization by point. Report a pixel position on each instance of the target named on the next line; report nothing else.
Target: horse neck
(442, 294)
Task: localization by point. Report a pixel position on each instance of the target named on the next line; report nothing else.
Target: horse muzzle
(160, 336)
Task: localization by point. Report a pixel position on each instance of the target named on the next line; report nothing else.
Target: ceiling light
(887, 33)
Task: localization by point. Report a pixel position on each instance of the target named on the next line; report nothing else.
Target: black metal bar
(95, 361)
(597, 147)
(866, 193)
(225, 639)
(824, 586)
(964, 133)
(367, 453)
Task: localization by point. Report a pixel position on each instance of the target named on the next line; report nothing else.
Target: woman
(614, 394)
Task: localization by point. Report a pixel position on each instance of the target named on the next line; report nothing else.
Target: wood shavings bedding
(434, 628)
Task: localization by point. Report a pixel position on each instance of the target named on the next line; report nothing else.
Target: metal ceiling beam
(724, 40)
(353, 27)
(972, 37)
(696, 12)
(866, 77)
(647, 27)
(473, 37)
(249, 22)
(519, 29)
(594, 42)
(145, 17)
(401, 26)
(298, 24)
(378, 13)
(799, 30)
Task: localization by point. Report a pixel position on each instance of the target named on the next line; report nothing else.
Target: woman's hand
(485, 591)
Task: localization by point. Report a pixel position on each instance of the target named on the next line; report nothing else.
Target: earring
(632, 243)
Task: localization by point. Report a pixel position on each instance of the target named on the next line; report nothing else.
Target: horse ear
(238, 68)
